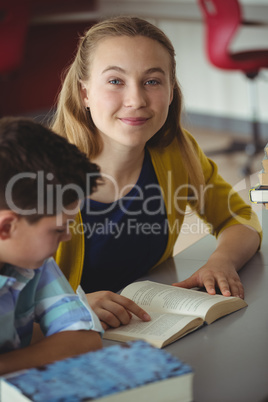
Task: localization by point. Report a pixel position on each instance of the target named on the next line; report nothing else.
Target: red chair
(222, 20)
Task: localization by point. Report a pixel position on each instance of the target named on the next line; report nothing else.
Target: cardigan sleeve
(223, 206)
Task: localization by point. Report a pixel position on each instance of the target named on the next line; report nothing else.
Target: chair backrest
(222, 19)
(14, 17)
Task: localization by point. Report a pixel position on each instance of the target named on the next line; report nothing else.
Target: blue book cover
(111, 371)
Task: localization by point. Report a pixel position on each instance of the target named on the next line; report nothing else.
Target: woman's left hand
(220, 271)
(215, 275)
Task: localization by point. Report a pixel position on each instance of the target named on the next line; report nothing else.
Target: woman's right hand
(113, 309)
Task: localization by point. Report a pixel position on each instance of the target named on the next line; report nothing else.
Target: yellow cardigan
(171, 174)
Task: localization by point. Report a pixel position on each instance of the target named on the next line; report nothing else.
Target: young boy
(42, 180)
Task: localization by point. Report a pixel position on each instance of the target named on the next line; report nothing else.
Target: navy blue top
(124, 239)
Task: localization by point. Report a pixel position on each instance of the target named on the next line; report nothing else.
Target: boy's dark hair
(37, 167)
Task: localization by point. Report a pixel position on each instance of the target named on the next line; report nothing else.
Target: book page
(153, 296)
(162, 328)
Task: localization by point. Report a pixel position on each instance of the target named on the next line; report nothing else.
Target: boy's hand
(214, 275)
(113, 309)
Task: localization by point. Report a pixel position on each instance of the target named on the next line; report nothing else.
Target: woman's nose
(135, 96)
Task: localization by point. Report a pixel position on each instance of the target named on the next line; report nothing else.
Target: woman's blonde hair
(74, 122)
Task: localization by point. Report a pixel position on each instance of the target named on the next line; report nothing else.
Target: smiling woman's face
(129, 90)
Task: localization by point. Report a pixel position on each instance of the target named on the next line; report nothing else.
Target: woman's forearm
(238, 244)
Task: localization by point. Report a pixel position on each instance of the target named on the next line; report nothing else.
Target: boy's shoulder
(12, 275)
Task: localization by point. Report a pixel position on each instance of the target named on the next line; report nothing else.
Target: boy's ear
(8, 220)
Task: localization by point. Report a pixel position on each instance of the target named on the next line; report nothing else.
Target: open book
(174, 311)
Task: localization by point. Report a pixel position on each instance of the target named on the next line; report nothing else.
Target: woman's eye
(115, 82)
(152, 82)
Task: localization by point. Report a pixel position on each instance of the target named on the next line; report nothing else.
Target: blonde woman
(121, 104)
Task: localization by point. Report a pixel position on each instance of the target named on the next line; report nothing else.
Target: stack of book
(259, 194)
(134, 371)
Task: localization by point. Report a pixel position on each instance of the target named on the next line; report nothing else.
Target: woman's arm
(236, 245)
(55, 347)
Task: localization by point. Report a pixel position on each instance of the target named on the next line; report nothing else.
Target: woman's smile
(134, 121)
